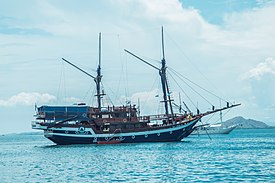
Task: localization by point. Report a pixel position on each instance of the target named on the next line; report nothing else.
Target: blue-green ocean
(242, 156)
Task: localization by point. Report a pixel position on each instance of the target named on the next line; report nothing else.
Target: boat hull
(213, 131)
(175, 133)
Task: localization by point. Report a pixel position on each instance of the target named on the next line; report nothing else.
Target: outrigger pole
(217, 110)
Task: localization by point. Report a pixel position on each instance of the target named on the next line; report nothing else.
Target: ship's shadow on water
(155, 144)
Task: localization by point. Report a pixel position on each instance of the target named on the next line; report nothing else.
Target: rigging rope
(194, 91)
(107, 98)
(145, 102)
(180, 75)
(63, 75)
(114, 94)
(92, 98)
(121, 61)
(88, 91)
(191, 63)
(126, 85)
(183, 91)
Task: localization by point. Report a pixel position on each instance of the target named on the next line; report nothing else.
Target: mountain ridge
(246, 123)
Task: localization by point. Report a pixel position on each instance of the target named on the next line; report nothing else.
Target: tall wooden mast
(97, 79)
(99, 76)
(162, 72)
(164, 83)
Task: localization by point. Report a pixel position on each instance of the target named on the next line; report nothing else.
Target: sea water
(243, 155)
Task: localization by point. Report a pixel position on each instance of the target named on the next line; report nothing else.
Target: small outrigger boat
(213, 129)
(82, 124)
(217, 128)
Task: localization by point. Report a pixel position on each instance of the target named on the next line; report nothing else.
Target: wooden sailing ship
(82, 124)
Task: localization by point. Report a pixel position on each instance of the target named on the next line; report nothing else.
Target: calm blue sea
(243, 155)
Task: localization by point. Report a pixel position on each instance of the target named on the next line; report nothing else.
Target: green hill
(246, 123)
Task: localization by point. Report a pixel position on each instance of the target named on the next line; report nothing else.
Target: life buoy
(124, 120)
(81, 129)
(133, 136)
(146, 135)
(104, 121)
(66, 131)
(158, 134)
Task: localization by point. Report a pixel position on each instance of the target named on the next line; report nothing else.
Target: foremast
(97, 79)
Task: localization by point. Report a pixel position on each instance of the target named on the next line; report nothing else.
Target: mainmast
(164, 83)
(165, 88)
(162, 72)
(99, 76)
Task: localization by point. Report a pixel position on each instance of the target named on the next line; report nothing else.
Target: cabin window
(120, 115)
(105, 116)
(106, 127)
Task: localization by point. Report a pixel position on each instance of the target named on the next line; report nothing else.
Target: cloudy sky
(226, 47)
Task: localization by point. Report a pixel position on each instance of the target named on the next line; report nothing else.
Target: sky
(226, 47)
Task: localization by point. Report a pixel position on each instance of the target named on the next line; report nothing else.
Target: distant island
(246, 123)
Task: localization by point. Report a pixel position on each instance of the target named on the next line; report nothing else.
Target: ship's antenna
(162, 42)
(99, 52)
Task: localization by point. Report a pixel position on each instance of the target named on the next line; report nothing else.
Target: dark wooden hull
(169, 134)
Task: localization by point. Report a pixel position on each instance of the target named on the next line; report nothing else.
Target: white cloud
(250, 29)
(221, 52)
(145, 96)
(72, 100)
(264, 2)
(28, 99)
(261, 81)
(266, 67)
(170, 11)
(149, 101)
